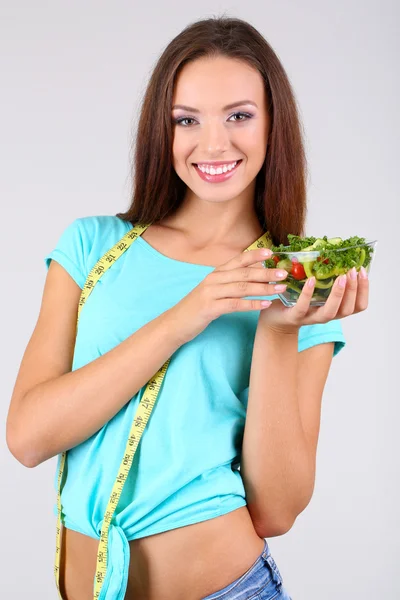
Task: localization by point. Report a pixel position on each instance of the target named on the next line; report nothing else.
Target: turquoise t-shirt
(185, 469)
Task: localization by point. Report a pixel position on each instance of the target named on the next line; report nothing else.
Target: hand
(341, 302)
(222, 291)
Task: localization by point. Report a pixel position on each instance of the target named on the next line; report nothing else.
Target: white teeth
(217, 171)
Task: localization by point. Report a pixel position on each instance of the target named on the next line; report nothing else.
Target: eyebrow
(227, 107)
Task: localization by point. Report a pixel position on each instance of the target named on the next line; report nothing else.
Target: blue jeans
(262, 581)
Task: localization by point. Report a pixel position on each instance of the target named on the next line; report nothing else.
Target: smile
(218, 174)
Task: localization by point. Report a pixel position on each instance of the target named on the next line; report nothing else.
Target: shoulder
(97, 234)
(83, 242)
(94, 227)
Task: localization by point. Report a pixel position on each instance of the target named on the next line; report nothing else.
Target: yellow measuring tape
(142, 415)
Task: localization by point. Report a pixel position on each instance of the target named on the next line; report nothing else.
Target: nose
(214, 138)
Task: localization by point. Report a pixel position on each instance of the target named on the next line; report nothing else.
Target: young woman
(188, 524)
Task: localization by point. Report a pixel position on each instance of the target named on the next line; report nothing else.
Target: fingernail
(266, 252)
(342, 281)
(363, 273)
(280, 288)
(281, 273)
(311, 282)
(353, 273)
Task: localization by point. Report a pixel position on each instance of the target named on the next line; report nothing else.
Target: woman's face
(208, 131)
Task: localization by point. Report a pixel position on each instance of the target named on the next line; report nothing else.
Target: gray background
(72, 76)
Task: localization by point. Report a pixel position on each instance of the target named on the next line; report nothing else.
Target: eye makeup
(180, 120)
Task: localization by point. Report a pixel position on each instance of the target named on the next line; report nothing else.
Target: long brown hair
(280, 194)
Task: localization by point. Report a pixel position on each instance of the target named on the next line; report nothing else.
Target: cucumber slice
(285, 263)
(308, 268)
(335, 241)
(319, 243)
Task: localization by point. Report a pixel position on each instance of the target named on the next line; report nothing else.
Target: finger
(266, 254)
(331, 307)
(248, 274)
(246, 258)
(349, 299)
(240, 289)
(228, 305)
(362, 292)
(302, 305)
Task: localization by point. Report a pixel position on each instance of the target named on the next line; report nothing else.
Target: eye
(181, 119)
(246, 115)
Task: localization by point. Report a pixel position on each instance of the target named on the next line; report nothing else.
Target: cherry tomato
(276, 259)
(326, 261)
(298, 271)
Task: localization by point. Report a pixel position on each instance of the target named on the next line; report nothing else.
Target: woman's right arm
(52, 408)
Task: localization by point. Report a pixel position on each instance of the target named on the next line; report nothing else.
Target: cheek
(256, 145)
(251, 140)
(180, 149)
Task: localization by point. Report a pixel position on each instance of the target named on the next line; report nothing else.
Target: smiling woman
(160, 309)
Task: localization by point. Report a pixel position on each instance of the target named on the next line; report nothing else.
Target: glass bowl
(324, 265)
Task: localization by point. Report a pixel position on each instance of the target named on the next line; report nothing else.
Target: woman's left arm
(278, 460)
(283, 410)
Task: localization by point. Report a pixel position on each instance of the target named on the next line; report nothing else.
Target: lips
(220, 177)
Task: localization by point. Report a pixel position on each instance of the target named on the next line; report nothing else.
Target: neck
(215, 223)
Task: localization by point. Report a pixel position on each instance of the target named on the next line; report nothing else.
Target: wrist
(172, 326)
(290, 331)
(175, 324)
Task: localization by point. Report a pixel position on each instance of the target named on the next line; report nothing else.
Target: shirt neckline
(168, 258)
(164, 257)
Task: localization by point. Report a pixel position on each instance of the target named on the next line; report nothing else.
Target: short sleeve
(70, 251)
(311, 335)
(321, 333)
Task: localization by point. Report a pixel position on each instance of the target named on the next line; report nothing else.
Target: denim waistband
(252, 580)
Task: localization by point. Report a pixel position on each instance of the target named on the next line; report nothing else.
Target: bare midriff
(186, 563)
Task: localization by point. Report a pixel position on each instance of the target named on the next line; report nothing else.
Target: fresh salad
(334, 257)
